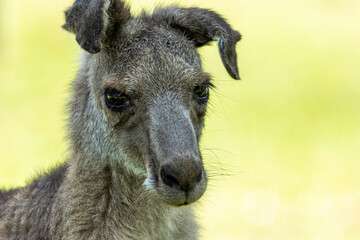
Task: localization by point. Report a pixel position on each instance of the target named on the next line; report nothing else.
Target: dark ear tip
(232, 69)
(237, 36)
(68, 27)
(235, 75)
(235, 71)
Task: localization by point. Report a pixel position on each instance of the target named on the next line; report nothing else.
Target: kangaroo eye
(202, 93)
(116, 100)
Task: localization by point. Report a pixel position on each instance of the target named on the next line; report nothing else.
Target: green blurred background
(282, 146)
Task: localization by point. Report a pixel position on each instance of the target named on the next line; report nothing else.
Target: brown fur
(130, 170)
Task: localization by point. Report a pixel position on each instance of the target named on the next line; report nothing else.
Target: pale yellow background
(282, 146)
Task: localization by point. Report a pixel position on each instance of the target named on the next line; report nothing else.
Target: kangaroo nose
(181, 174)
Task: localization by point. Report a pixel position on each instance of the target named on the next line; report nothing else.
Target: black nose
(180, 175)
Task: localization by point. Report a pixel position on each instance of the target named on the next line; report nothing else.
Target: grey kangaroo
(135, 120)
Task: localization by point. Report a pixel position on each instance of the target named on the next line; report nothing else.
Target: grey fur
(130, 170)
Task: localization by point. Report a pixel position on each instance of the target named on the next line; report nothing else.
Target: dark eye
(116, 100)
(202, 93)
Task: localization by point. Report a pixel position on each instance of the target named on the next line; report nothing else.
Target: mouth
(173, 194)
(183, 204)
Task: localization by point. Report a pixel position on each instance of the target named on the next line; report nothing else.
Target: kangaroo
(135, 120)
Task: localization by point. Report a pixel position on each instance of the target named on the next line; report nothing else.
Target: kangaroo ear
(202, 26)
(92, 21)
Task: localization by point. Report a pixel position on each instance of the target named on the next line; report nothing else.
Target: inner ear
(95, 21)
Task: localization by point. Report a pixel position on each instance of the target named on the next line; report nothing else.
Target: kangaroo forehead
(151, 74)
(152, 40)
(156, 65)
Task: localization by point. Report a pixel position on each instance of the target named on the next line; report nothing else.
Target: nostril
(168, 178)
(180, 177)
(199, 176)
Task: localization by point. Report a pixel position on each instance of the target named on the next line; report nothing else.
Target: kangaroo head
(147, 93)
